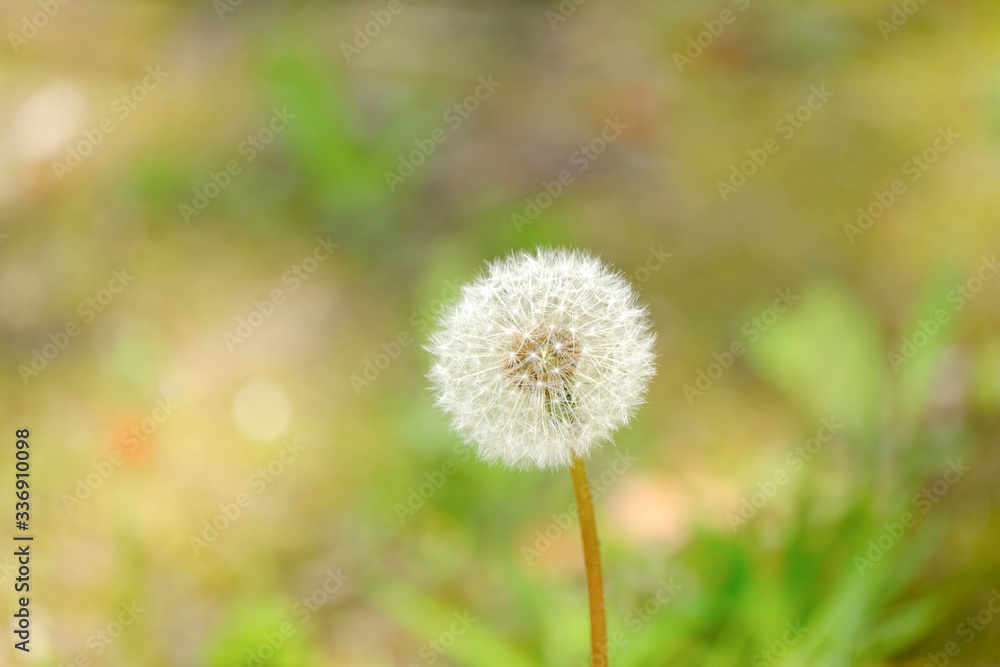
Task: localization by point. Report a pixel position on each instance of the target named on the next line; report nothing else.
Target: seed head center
(543, 361)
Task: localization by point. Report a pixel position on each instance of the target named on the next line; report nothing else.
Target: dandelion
(543, 357)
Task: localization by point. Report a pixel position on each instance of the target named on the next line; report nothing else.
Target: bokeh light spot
(262, 409)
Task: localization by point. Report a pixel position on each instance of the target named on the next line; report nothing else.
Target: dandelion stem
(592, 558)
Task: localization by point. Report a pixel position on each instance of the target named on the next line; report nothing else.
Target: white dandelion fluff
(542, 358)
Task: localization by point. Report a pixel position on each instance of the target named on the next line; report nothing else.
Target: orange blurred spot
(132, 434)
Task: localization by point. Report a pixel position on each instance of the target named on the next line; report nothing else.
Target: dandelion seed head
(543, 356)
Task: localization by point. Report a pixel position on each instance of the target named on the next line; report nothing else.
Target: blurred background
(225, 231)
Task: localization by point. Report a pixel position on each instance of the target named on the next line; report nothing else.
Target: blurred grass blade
(427, 619)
